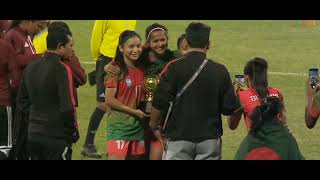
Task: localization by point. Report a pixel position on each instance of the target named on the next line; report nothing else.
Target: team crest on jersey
(128, 82)
(26, 44)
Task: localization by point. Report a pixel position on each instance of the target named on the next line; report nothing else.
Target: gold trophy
(150, 84)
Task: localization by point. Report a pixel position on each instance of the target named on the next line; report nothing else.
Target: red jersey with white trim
(23, 47)
(249, 99)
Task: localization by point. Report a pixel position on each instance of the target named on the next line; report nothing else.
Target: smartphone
(239, 79)
(314, 76)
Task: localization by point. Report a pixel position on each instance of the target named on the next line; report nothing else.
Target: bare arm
(312, 109)
(234, 119)
(112, 69)
(309, 120)
(155, 118)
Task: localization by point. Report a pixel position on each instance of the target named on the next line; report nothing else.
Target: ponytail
(256, 69)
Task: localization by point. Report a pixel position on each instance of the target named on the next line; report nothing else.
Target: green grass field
(288, 47)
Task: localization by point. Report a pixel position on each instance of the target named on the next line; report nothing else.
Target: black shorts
(3, 126)
(100, 74)
(49, 149)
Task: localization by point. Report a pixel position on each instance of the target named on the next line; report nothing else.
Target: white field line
(273, 73)
(87, 62)
(288, 73)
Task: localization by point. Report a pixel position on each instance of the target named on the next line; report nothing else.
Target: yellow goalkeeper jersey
(40, 42)
(105, 36)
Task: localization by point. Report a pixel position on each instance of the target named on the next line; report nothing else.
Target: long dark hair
(267, 111)
(119, 59)
(256, 69)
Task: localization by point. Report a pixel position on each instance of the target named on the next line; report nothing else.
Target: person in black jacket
(194, 128)
(46, 93)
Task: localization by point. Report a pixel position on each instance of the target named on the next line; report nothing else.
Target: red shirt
(78, 74)
(9, 75)
(249, 99)
(22, 44)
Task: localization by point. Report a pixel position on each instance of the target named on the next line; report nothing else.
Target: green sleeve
(295, 153)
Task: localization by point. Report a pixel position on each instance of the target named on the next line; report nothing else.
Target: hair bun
(271, 105)
(264, 106)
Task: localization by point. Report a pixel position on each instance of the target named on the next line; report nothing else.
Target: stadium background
(289, 48)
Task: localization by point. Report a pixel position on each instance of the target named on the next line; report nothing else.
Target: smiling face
(131, 49)
(158, 42)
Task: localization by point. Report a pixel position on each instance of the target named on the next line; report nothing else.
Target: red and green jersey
(250, 99)
(272, 142)
(120, 125)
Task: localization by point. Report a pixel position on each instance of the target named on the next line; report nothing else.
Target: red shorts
(124, 148)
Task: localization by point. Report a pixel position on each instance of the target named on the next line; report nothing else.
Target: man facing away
(194, 129)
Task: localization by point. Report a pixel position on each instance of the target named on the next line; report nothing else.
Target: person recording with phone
(256, 79)
(239, 82)
(312, 109)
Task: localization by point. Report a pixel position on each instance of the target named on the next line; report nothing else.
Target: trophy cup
(150, 84)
